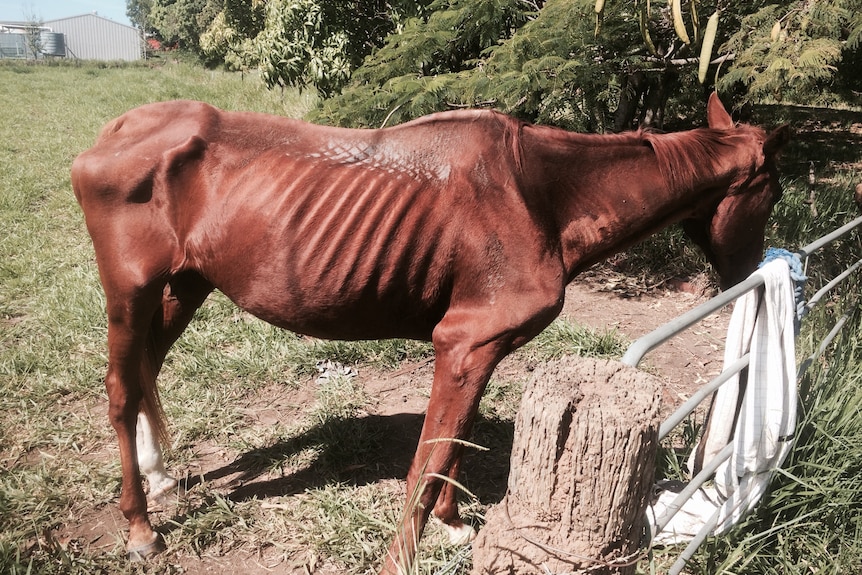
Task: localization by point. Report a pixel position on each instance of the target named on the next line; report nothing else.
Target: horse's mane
(553, 135)
(685, 157)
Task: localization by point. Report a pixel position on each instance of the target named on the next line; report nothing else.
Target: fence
(645, 344)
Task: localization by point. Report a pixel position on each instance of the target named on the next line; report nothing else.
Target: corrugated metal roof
(89, 15)
(92, 37)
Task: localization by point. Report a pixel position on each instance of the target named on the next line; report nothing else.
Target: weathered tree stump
(582, 470)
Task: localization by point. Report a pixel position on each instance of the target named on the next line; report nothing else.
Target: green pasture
(58, 460)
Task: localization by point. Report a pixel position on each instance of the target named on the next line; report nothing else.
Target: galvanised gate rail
(650, 341)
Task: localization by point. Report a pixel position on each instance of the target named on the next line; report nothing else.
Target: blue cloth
(796, 274)
(793, 260)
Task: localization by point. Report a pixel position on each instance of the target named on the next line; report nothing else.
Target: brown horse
(462, 228)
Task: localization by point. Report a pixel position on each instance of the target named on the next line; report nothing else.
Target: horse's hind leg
(181, 297)
(150, 460)
(143, 322)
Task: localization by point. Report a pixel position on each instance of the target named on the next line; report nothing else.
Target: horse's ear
(776, 140)
(716, 116)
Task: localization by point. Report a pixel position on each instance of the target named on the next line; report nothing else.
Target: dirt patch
(683, 363)
(392, 418)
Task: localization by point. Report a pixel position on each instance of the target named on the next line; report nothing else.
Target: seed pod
(695, 24)
(706, 47)
(643, 18)
(775, 35)
(678, 23)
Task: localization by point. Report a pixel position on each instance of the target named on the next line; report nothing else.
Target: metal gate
(645, 344)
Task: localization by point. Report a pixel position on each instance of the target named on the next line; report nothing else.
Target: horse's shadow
(356, 451)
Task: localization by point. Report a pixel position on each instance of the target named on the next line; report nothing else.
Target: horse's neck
(611, 193)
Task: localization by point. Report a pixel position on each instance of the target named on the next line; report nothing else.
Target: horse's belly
(365, 293)
(331, 313)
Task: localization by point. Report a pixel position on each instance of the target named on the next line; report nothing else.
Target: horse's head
(730, 232)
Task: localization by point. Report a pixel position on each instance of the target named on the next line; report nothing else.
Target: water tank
(53, 43)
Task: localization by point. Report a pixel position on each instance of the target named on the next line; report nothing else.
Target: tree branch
(690, 61)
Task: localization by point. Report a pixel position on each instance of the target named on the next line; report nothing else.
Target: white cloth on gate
(762, 323)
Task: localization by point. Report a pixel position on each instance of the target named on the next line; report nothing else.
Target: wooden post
(582, 470)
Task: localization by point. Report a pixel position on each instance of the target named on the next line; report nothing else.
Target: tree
(33, 33)
(557, 62)
(581, 65)
(303, 43)
(793, 50)
(138, 12)
(182, 22)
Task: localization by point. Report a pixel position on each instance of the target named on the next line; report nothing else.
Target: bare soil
(395, 412)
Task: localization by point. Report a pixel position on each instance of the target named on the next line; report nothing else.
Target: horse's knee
(123, 403)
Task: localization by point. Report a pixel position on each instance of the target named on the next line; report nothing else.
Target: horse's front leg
(468, 343)
(123, 385)
(460, 376)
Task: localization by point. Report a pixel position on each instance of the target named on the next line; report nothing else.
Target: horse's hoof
(460, 535)
(141, 553)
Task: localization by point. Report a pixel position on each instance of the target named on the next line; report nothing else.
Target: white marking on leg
(459, 535)
(150, 460)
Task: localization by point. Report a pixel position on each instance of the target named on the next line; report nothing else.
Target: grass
(59, 463)
(325, 502)
(808, 522)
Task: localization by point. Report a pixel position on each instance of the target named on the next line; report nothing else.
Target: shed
(92, 37)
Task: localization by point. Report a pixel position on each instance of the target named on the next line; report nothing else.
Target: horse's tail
(151, 404)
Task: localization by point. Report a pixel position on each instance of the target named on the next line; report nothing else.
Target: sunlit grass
(58, 458)
(807, 523)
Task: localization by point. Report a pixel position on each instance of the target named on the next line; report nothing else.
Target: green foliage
(545, 62)
(182, 22)
(229, 39)
(556, 62)
(138, 12)
(792, 50)
(302, 43)
(494, 52)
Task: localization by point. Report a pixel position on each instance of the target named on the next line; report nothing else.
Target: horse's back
(304, 225)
